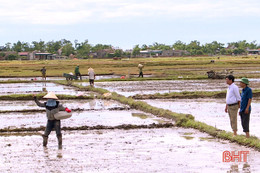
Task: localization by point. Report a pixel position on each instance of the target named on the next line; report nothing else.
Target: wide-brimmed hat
(90, 69)
(244, 80)
(51, 95)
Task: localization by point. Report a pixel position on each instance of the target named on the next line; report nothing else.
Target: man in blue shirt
(245, 105)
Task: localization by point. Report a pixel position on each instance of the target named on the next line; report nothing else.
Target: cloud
(67, 12)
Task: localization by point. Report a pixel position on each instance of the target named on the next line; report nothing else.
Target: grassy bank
(182, 120)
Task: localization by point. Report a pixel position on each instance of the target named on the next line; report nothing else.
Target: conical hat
(51, 95)
(90, 69)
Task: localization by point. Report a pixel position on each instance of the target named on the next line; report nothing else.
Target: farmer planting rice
(53, 107)
(43, 71)
(77, 73)
(141, 66)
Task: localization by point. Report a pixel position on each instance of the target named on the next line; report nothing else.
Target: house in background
(42, 56)
(24, 55)
(170, 53)
(150, 53)
(253, 51)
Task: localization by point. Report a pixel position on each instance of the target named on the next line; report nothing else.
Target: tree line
(196, 48)
(83, 49)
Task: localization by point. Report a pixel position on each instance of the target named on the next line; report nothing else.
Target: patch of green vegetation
(188, 137)
(207, 139)
(172, 67)
(140, 115)
(188, 134)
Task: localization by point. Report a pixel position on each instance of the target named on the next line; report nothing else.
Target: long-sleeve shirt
(50, 111)
(233, 95)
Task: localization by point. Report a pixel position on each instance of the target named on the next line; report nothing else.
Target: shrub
(11, 57)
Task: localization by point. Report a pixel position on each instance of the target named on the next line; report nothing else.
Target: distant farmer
(140, 66)
(245, 105)
(52, 107)
(43, 70)
(77, 73)
(91, 75)
(232, 102)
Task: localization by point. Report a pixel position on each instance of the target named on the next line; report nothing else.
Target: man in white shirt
(233, 99)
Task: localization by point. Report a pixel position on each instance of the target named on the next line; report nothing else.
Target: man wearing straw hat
(91, 75)
(245, 105)
(52, 107)
(141, 66)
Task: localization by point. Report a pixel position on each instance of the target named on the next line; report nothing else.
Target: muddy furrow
(98, 127)
(74, 110)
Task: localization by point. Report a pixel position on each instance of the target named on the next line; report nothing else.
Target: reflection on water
(44, 89)
(234, 168)
(92, 104)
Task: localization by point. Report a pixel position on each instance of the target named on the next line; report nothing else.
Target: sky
(125, 24)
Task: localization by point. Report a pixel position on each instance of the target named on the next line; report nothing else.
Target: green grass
(193, 67)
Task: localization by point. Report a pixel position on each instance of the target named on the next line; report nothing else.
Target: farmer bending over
(77, 73)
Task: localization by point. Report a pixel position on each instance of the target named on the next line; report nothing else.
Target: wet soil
(34, 88)
(95, 104)
(98, 77)
(210, 111)
(142, 150)
(130, 88)
(83, 118)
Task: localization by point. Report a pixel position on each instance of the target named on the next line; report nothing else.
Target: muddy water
(98, 77)
(130, 88)
(95, 104)
(29, 88)
(142, 150)
(210, 111)
(83, 118)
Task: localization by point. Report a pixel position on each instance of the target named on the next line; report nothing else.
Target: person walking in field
(245, 105)
(52, 106)
(43, 71)
(91, 75)
(232, 102)
(77, 73)
(140, 66)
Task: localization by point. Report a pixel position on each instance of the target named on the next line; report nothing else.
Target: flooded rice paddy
(116, 150)
(95, 104)
(34, 88)
(142, 150)
(210, 111)
(83, 118)
(130, 88)
(98, 77)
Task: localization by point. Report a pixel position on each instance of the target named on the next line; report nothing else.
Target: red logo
(239, 156)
